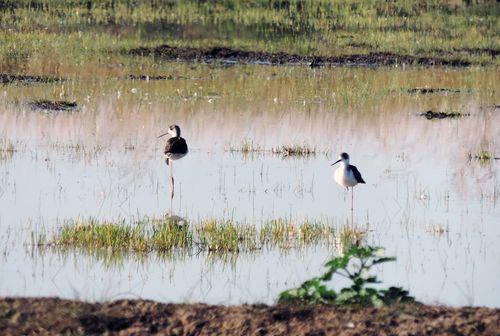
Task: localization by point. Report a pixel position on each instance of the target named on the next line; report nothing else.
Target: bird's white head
(344, 158)
(174, 131)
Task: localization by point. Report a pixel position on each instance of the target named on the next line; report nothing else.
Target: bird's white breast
(175, 156)
(344, 177)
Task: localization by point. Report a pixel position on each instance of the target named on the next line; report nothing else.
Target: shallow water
(424, 200)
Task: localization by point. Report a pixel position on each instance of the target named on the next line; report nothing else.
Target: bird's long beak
(335, 162)
(159, 136)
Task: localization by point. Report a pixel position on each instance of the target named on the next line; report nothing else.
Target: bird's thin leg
(352, 207)
(171, 185)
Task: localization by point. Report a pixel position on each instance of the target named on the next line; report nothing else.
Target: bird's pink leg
(171, 185)
(352, 206)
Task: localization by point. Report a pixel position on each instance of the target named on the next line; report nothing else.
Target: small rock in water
(426, 90)
(442, 115)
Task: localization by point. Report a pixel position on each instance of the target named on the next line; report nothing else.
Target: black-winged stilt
(175, 149)
(347, 176)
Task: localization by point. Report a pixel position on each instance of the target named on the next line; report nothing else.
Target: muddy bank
(232, 56)
(43, 316)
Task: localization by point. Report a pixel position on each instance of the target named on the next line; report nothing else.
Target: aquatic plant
(294, 150)
(354, 265)
(246, 147)
(7, 150)
(483, 156)
(169, 234)
(7, 146)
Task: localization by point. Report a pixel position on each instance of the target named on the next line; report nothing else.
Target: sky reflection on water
(424, 200)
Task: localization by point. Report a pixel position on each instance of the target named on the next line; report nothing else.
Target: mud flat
(43, 316)
(230, 56)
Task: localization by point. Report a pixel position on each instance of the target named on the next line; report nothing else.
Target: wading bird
(347, 176)
(175, 148)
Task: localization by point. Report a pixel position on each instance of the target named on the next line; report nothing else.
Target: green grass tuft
(171, 234)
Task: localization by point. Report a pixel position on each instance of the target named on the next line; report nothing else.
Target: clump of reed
(118, 236)
(285, 234)
(7, 146)
(483, 156)
(171, 234)
(294, 150)
(246, 147)
(7, 150)
(226, 236)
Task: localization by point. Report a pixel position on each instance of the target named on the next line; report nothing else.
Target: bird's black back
(176, 146)
(357, 174)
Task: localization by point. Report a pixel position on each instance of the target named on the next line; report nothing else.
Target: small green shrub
(354, 265)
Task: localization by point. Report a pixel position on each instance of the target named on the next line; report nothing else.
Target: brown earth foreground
(231, 56)
(43, 316)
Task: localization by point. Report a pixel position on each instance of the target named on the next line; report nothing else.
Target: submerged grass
(7, 146)
(295, 150)
(248, 147)
(173, 234)
(483, 156)
(285, 234)
(7, 149)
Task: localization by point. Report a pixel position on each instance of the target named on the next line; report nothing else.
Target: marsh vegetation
(88, 86)
(52, 37)
(174, 234)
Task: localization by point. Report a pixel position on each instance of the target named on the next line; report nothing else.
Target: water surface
(425, 201)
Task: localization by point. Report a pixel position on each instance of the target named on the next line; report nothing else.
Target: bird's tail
(167, 161)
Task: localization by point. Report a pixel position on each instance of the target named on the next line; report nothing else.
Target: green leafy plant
(354, 265)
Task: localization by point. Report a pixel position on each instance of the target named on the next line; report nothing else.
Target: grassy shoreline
(50, 35)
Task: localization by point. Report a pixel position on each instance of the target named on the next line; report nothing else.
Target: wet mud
(43, 316)
(234, 56)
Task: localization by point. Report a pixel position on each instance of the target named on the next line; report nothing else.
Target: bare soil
(232, 56)
(44, 316)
